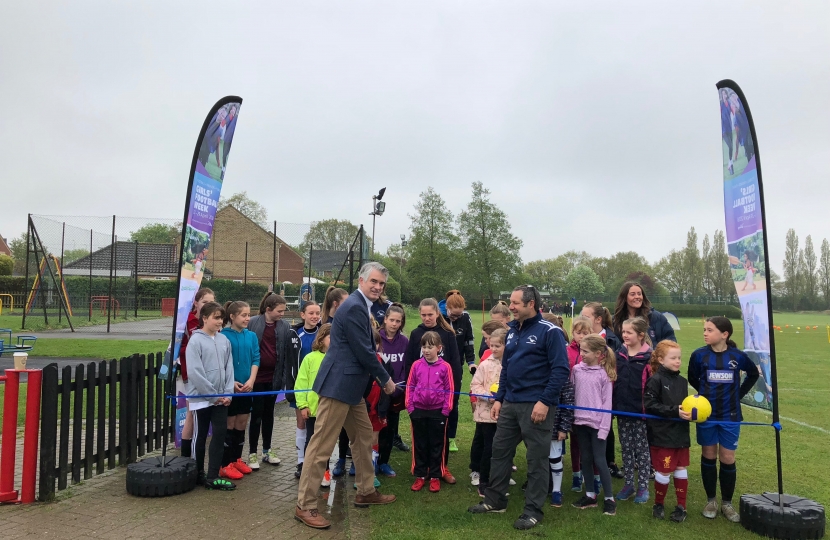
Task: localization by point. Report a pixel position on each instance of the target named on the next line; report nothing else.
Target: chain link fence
(119, 274)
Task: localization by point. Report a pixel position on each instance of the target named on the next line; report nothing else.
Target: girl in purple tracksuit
(394, 347)
(429, 398)
(593, 381)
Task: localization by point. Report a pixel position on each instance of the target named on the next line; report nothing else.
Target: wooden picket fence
(104, 414)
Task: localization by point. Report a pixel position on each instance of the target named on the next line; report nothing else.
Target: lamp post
(403, 245)
(378, 207)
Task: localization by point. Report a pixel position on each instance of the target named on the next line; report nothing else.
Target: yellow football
(698, 406)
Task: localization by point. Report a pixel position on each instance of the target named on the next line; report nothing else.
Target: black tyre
(148, 478)
(800, 518)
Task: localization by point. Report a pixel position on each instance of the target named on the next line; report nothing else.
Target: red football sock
(375, 447)
(660, 491)
(681, 485)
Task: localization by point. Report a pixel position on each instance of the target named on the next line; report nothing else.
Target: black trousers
(262, 417)
(428, 439)
(592, 455)
(482, 450)
(452, 420)
(386, 437)
(342, 444)
(216, 417)
(609, 445)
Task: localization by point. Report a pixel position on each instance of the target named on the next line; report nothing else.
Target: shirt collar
(368, 302)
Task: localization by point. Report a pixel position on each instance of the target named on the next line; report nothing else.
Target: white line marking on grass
(793, 420)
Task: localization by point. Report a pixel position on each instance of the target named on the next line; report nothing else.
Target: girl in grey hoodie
(210, 371)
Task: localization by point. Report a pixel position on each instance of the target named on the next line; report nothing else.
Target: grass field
(803, 361)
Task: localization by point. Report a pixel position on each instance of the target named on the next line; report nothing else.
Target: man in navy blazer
(340, 383)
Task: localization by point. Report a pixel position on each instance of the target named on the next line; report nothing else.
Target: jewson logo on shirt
(720, 376)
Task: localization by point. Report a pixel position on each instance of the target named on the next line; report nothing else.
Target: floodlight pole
(374, 215)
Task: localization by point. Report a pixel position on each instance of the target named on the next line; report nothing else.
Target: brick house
(4, 247)
(226, 257)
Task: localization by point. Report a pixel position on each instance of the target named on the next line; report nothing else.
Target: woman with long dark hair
(633, 302)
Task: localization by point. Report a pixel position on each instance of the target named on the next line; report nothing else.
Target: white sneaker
(271, 457)
(253, 462)
(512, 482)
(474, 478)
(326, 480)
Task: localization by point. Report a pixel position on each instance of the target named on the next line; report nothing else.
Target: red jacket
(193, 323)
(573, 354)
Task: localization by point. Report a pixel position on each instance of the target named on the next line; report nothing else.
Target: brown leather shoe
(363, 501)
(312, 518)
(448, 478)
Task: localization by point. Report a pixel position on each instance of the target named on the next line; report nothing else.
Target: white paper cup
(20, 360)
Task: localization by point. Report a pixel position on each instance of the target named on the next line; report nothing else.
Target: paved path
(135, 330)
(261, 507)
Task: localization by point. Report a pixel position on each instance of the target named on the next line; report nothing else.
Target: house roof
(4, 248)
(152, 258)
(327, 260)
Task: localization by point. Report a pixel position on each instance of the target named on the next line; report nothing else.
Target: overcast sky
(595, 125)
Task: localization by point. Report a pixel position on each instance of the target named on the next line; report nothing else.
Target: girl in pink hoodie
(593, 386)
(486, 375)
(429, 400)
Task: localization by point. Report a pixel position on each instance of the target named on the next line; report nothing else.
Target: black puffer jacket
(449, 354)
(665, 391)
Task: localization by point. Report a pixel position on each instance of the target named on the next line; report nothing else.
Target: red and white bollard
(30, 435)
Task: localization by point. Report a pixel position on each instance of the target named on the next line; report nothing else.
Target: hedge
(700, 310)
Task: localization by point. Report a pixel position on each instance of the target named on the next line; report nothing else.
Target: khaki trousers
(332, 415)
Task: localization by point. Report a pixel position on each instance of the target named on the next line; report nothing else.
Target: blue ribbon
(641, 416)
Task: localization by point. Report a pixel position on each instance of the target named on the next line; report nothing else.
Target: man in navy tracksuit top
(534, 369)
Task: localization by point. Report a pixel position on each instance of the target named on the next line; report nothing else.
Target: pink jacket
(488, 372)
(430, 387)
(592, 388)
(573, 354)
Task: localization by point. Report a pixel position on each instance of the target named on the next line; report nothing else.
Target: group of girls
(636, 379)
(226, 354)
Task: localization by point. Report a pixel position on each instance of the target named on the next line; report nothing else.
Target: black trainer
(525, 522)
(221, 484)
(615, 471)
(399, 444)
(299, 472)
(658, 511)
(585, 502)
(609, 507)
(484, 508)
(678, 515)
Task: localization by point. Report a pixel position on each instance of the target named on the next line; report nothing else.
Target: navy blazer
(351, 357)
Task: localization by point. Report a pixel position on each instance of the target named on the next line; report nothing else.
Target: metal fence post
(135, 275)
(112, 264)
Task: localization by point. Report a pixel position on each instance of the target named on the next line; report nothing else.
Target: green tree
(490, 249)
(583, 283)
(810, 271)
(791, 269)
(613, 270)
(18, 249)
(722, 284)
(154, 233)
(671, 272)
(72, 255)
(693, 264)
(824, 272)
(548, 274)
(432, 265)
(708, 269)
(248, 207)
(6, 265)
(331, 234)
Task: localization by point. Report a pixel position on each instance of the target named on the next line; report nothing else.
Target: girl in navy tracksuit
(632, 374)
(306, 331)
(715, 372)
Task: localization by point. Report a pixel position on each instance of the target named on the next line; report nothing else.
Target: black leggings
(609, 445)
(592, 454)
(262, 416)
(216, 417)
(342, 444)
(386, 437)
